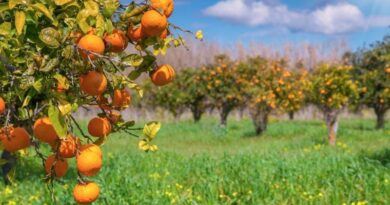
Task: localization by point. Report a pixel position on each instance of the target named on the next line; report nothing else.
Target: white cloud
(330, 19)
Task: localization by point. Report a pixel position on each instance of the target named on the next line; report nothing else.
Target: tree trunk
(332, 125)
(224, 115)
(7, 167)
(260, 121)
(196, 113)
(291, 115)
(380, 118)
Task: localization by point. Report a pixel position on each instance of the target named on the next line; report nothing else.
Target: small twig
(79, 128)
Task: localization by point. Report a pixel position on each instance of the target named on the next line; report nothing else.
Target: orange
(387, 70)
(44, 131)
(16, 139)
(136, 34)
(60, 166)
(89, 162)
(2, 105)
(92, 148)
(121, 99)
(99, 127)
(86, 193)
(93, 83)
(117, 41)
(68, 146)
(167, 6)
(163, 75)
(92, 43)
(153, 23)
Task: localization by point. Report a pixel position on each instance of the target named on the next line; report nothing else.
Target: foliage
(372, 73)
(332, 87)
(47, 47)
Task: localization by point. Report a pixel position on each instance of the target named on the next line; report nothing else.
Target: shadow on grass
(383, 157)
(250, 135)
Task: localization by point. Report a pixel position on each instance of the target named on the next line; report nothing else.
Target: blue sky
(275, 22)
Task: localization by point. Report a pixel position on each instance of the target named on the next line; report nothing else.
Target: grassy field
(203, 164)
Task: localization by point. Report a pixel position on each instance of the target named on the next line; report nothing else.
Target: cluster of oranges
(93, 83)
(154, 23)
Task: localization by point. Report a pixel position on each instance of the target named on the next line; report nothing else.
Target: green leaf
(43, 9)
(13, 3)
(109, 26)
(61, 80)
(58, 121)
(38, 85)
(134, 74)
(50, 65)
(151, 129)
(50, 37)
(134, 60)
(82, 17)
(65, 108)
(3, 162)
(62, 2)
(5, 28)
(20, 21)
(31, 93)
(100, 25)
(92, 7)
(101, 140)
(4, 7)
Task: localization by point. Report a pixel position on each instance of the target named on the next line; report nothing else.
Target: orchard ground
(204, 164)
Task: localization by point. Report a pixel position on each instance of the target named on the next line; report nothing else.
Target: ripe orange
(68, 146)
(89, 162)
(163, 75)
(16, 139)
(92, 148)
(93, 43)
(86, 193)
(388, 70)
(121, 99)
(60, 166)
(135, 34)
(167, 6)
(153, 23)
(117, 41)
(2, 105)
(99, 127)
(43, 130)
(93, 83)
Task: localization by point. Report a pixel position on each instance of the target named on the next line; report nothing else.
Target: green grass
(203, 164)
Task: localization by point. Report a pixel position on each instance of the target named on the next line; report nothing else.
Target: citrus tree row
(263, 86)
(57, 57)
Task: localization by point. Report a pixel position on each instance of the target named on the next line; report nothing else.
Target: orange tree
(187, 91)
(62, 55)
(372, 73)
(195, 89)
(332, 89)
(292, 91)
(170, 97)
(224, 85)
(268, 86)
